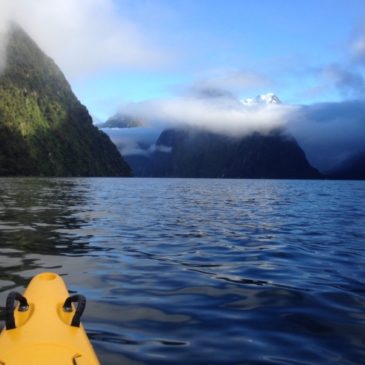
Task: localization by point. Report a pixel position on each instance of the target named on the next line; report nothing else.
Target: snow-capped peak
(269, 98)
(263, 99)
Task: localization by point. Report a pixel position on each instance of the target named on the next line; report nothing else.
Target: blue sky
(116, 52)
(283, 43)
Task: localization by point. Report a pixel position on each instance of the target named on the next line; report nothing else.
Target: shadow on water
(39, 221)
(38, 216)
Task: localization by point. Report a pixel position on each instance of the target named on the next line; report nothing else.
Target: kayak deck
(45, 332)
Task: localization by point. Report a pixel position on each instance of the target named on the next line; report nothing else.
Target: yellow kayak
(44, 328)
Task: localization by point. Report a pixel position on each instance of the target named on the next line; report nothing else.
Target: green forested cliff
(44, 129)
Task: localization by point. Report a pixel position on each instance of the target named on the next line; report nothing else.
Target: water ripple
(198, 271)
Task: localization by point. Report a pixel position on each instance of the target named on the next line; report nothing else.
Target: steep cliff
(44, 129)
(197, 153)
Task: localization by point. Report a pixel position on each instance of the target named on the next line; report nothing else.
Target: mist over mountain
(120, 120)
(331, 134)
(193, 152)
(45, 130)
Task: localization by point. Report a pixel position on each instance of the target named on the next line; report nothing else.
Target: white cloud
(131, 147)
(134, 141)
(348, 81)
(218, 114)
(84, 35)
(357, 47)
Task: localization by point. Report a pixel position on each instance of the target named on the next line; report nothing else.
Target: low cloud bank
(135, 141)
(329, 133)
(218, 114)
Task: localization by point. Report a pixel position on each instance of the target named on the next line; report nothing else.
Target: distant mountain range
(44, 129)
(192, 152)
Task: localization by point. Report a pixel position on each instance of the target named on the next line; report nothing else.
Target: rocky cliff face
(44, 129)
(198, 153)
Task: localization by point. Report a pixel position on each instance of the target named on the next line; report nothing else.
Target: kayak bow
(44, 328)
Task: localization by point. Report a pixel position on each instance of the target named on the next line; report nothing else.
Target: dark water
(198, 271)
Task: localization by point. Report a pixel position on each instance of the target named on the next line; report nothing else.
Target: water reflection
(37, 225)
(38, 215)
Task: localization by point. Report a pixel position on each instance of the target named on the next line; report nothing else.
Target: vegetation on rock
(44, 129)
